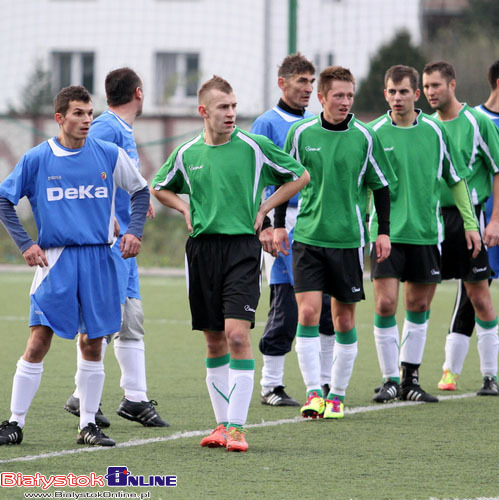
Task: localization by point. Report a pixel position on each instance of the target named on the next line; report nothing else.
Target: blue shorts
(77, 292)
(128, 274)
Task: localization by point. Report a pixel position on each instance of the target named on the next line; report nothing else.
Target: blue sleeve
(140, 206)
(13, 225)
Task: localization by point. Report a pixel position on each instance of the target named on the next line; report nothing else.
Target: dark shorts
(223, 279)
(456, 258)
(414, 263)
(335, 271)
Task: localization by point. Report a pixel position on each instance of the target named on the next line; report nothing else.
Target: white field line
(190, 434)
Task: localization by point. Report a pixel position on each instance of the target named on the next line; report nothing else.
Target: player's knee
(386, 306)
(308, 315)
(91, 349)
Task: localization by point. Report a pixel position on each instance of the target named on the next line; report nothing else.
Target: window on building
(177, 77)
(73, 68)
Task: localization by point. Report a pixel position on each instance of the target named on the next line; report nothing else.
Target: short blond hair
(214, 83)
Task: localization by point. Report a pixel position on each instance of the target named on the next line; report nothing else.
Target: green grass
(446, 450)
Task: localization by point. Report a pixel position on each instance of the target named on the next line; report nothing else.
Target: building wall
(229, 36)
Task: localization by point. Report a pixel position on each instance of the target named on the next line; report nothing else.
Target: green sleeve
(170, 177)
(463, 202)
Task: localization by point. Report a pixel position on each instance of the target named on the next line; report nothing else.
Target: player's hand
(129, 246)
(35, 256)
(491, 234)
(281, 240)
(187, 217)
(267, 240)
(383, 247)
(116, 228)
(151, 212)
(260, 216)
(473, 242)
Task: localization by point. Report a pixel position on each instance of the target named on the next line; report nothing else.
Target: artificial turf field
(396, 451)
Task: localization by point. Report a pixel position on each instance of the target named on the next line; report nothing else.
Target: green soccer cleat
(448, 382)
(314, 407)
(334, 408)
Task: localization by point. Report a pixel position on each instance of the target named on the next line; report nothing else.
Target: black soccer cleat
(92, 435)
(325, 390)
(10, 433)
(489, 387)
(389, 391)
(278, 397)
(414, 392)
(73, 406)
(142, 412)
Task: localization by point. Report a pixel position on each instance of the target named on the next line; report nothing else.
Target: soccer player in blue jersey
(125, 98)
(463, 318)
(70, 182)
(295, 78)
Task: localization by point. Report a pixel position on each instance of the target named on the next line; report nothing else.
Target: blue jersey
(275, 124)
(110, 127)
(493, 251)
(71, 191)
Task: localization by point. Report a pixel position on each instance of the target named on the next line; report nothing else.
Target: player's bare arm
(491, 234)
(284, 193)
(172, 200)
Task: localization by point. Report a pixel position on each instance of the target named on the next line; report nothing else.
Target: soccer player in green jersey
(224, 171)
(342, 156)
(421, 155)
(478, 142)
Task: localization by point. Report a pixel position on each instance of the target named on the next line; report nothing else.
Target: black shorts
(414, 263)
(223, 279)
(456, 258)
(335, 271)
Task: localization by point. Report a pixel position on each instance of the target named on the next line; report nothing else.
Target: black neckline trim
(340, 127)
(289, 109)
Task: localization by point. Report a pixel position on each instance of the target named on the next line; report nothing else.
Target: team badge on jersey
(103, 175)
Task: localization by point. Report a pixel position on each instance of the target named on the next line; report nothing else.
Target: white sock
(488, 346)
(104, 344)
(90, 381)
(131, 358)
(26, 382)
(217, 381)
(456, 350)
(387, 347)
(241, 389)
(344, 358)
(272, 372)
(308, 351)
(326, 355)
(413, 342)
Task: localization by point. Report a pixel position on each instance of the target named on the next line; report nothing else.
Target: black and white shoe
(142, 412)
(278, 397)
(91, 434)
(489, 387)
(414, 392)
(73, 406)
(389, 391)
(10, 433)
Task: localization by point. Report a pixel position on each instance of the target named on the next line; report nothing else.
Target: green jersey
(341, 163)
(420, 156)
(225, 182)
(477, 141)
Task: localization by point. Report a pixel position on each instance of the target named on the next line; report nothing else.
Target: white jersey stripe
(369, 157)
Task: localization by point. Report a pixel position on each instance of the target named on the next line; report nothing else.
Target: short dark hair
(68, 94)
(397, 73)
(494, 75)
(214, 83)
(295, 64)
(446, 69)
(332, 73)
(120, 85)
